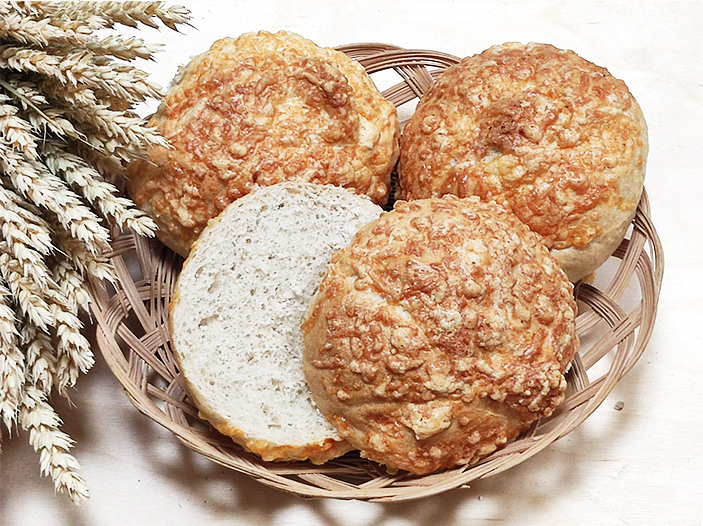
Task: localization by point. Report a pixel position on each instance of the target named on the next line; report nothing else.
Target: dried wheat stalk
(67, 133)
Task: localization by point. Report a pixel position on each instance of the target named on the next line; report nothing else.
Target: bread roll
(255, 111)
(440, 333)
(548, 135)
(237, 308)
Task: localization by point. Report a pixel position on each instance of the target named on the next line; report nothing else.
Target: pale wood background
(640, 465)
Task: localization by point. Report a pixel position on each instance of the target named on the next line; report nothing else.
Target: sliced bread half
(237, 309)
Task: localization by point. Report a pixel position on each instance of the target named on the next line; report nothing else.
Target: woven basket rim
(132, 336)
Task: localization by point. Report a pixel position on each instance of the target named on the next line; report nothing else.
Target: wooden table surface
(636, 461)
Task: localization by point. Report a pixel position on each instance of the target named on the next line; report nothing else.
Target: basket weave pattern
(132, 334)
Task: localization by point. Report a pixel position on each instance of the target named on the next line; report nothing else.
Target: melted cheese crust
(548, 135)
(439, 334)
(255, 111)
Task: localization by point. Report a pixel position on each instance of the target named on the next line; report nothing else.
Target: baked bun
(237, 308)
(255, 111)
(543, 132)
(441, 332)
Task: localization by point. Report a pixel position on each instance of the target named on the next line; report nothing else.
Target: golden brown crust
(319, 453)
(439, 334)
(258, 110)
(550, 136)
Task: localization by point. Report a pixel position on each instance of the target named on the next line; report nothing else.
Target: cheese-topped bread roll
(237, 308)
(548, 135)
(255, 111)
(441, 332)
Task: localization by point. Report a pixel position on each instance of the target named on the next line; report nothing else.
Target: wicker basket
(615, 323)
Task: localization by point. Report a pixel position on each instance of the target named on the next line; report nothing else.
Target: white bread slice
(237, 309)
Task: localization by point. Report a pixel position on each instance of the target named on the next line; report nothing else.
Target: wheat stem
(43, 424)
(34, 182)
(67, 133)
(40, 356)
(11, 363)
